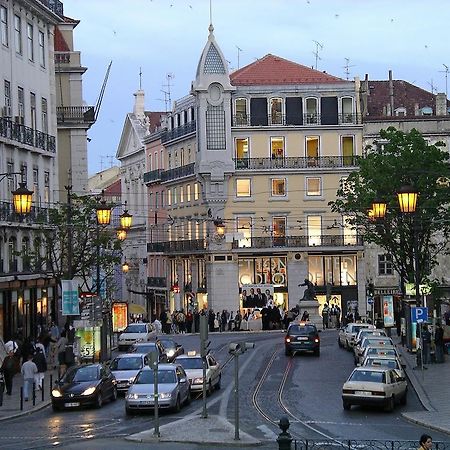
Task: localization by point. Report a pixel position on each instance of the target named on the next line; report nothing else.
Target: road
(305, 388)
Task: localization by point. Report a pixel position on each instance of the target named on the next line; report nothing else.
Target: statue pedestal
(312, 306)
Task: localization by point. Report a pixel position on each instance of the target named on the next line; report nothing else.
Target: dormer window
(400, 112)
(426, 111)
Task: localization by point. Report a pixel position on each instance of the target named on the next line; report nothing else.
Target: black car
(86, 385)
(171, 348)
(302, 337)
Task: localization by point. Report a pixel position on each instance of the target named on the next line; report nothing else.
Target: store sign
(119, 316)
(70, 303)
(388, 310)
(424, 289)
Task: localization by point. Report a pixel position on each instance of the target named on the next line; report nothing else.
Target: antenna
(446, 78)
(210, 12)
(347, 67)
(319, 47)
(167, 98)
(140, 78)
(111, 160)
(432, 86)
(239, 50)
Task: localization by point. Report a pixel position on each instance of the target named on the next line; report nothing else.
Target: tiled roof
(114, 189)
(155, 119)
(60, 42)
(406, 95)
(273, 70)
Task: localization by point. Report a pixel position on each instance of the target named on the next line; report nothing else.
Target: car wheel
(390, 405)
(219, 382)
(129, 412)
(317, 352)
(121, 348)
(56, 408)
(404, 398)
(346, 405)
(114, 394)
(99, 400)
(177, 407)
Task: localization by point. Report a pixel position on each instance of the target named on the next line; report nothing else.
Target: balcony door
(279, 231)
(244, 230)
(312, 150)
(314, 230)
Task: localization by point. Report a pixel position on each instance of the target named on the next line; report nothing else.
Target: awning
(134, 308)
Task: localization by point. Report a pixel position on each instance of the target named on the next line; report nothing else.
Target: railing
(62, 58)
(156, 281)
(37, 215)
(178, 172)
(175, 133)
(352, 444)
(154, 175)
(177, 246)
(296, 162)
(25, 135)
(243, 120)
(75, 114)
(54, 5)
(298, 241)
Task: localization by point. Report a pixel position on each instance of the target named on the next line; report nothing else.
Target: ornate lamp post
(121, 234)
(126, 219)
(125, 267)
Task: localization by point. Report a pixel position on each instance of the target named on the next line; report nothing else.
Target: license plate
(72, 405)
(364, 393)
(122, 384)
(302, 338)
(146, 403)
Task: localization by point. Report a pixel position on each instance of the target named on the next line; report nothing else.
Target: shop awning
(134, 308)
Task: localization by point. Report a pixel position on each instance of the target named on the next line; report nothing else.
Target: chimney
(441, 104)
(416, 109)
(139, 105)
(364, 96)
(391, 94)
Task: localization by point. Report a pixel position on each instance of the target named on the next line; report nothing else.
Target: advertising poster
(70, 303)
(119, 316)
(256, 295)
(388, 310)
(89, 342)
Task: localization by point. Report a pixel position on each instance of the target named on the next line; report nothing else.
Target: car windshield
(136, 328)
(367, 375)
(301, 329)
(81, 374)
(390, 363)
(377, 341)
(143, 348)
(167, 343)
(127, 363)
(355, 329)
(190, 363)
(164, 377)
(380, 351)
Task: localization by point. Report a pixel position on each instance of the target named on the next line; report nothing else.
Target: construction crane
(102, 93)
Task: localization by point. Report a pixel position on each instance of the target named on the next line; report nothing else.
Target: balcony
(299, 242)
(178, 132)
(54, 5)
(152, 176)
(177, 246)
(25, 135)
(75, 115)
(178, 172)
(37, 215)
(243, 120)
(321, 162)
(160, 282)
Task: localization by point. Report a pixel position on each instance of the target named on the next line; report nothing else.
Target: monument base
(312, 307)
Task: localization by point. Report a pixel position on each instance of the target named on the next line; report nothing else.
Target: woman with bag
(9, 368)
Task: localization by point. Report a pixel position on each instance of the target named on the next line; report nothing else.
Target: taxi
(192, 364)
(347, 335)
(370, 341)
(383, 351)
(391, 362)
(301, 337)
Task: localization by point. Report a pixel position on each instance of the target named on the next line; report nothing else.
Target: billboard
(256, 295)
(388, 310)
(119, 316)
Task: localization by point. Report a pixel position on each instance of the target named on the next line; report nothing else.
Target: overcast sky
(167, 37)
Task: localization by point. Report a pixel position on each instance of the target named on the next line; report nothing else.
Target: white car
(374, 386)
(388, 351)
(347, 336)
(135, 332)
(388, 361)
(370, 341)
(192, 364)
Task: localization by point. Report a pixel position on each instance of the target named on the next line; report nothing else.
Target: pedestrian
(29, 370)
(10, 367)
(325, 315)
(61, 352)
(2, 386)
(231, 322)
(189, 321)
(237, 321)
(305, 316)
(439, 343)
(211, 318)
(425, 442)
(426, 345)
(41, 364)
(403, 335)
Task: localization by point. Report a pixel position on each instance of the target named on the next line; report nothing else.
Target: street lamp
(126, 219)
(125, 267)
(121, 234)
(220, 227)
(378, 209)
(22, 197)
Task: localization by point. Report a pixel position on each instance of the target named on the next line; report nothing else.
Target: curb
(26, 413)
(425, 424)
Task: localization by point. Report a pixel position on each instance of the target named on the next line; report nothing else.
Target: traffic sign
(370, 300)
(419, 315)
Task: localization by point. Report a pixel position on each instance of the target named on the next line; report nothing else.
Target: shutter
(258, 111)
(294, 111)
(329, 110)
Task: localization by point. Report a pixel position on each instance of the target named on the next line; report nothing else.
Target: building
(260, 152)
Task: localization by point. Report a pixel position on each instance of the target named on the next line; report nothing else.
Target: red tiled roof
(155, 119)
(274, 70)
(114, 189)
(60, 42)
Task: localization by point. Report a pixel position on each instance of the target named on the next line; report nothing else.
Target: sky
(163, 39)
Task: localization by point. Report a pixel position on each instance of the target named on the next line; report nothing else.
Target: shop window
(313, 186)
(348, 150)
(243, 187)
(385, 264)
(278, 187)
(314, 230)
(277, 147)
(276, 111)
(241, 117)
(333, 269)
(244, 230)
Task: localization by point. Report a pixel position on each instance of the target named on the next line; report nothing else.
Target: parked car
(347, 335)
(125, 367)
(172, 348)
(370, 341)
(383, 350)
(390, 362)
(364, 332)
(302, 337)
(89, 384)
(148, 347)
(374, 386)
(135, 332)
(173, 389)
(192, 364)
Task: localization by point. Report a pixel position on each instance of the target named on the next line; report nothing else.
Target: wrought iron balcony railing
(75, 115)
(349, 444)
(247, 120)
(175, 133)
(157, 282)
(25, 135)
(54, 5)
(176, 246)
(37, 215)
(178, 172)
(153, 175)
(295, 162)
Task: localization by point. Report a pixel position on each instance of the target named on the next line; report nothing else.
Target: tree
(396, 160)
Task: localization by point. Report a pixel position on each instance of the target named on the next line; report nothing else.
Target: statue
(310, 292)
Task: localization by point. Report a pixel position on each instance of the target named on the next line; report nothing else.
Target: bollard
(34, 394)
(284, 439)
(21, 398)
(51, 385)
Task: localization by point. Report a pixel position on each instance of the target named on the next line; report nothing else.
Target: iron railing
(177, 246)
(177, 132)
(293, 162)
(352, 444)
(298, 241)
(54, 5)
(156, 281)
(62, 58)
(247, 120)
(178, 172)
(25, 135)
(153, 175)
(37, 215)
(75, 114)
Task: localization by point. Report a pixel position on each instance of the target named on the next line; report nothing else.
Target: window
(4, 25)
(156, 200)
(349, 231)
(347, 110)
(174, 196)
(188, 193)
(400, 112)
(276, 111)
(313, 186)
(7, 93)
(18, 34)
(33, 110)
(385, 264)
(277, 147)
(44, 117)
(347, 146)
(150, 200)
(312, 113)
(46, 187)
(243, 187)
(314, 230)
(241, 112)
(215, 128)
(181, 194)
(278, 187)
(30, 42)
(241, 148)
(169, 197)
(244, 229)
(21, 103)
(35, 183)
(196, 191)
(279, 230)
(41, 49)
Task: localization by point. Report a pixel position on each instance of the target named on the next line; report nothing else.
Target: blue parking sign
(419, 315)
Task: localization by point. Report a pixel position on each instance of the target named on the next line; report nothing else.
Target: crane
(102, 93)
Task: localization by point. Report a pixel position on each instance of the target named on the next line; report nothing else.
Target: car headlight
(165, 395)
(198, 381)
(131, 380)
(170, 353)
(89, 391)
(56, 393)
(132, 396)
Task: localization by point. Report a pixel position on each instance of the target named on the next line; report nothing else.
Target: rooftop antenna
(167, 98)
(111, 160)
(210, 12)
(319, 47)
(140, 78)
(446, 78)
(239, 50)
(432, 86)
(347, 68)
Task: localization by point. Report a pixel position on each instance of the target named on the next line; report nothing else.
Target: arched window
(12, 254)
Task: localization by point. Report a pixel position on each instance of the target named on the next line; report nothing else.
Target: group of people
(428, 342)
(331, 316)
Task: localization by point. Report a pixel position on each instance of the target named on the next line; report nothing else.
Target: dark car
(302, 337)
(171, 348)
(149, 347)
(86, 385)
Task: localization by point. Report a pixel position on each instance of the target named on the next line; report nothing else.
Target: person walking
(325, 316)
(426, 345)
(61, 352)
(29, 370)
(439, 343)
(189, 321)
(41, 364)
(10, 367)
(425, 442)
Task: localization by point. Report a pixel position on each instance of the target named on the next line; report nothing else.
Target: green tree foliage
(401, 159)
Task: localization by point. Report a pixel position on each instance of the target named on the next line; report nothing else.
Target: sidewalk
(432, 388)
(11, 403)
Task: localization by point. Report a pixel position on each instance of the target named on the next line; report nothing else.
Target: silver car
(125, 368)
(173, 389)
